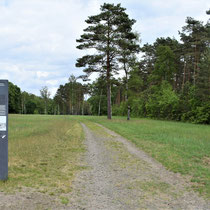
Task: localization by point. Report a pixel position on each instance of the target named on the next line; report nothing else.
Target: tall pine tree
(103, 34)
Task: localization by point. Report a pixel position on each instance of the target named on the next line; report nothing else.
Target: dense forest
(169, 79)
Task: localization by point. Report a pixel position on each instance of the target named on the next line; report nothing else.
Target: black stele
(3, 129)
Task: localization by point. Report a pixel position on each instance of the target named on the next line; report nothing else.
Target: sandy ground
(118, 176)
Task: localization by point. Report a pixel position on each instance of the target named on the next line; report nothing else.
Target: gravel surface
(28, 199)
(117, 176)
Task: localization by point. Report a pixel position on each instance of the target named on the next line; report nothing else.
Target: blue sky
(37, 37)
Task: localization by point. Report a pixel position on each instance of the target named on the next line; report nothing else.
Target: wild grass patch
(44, 153)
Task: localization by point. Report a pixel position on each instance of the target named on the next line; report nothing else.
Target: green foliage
(26, 103)
(14, 98)
(203, 80)
(120, 110)
(32, 104)
(45, 94)
(108, 33)
(138, 107)
(163, 102)
(94, 104)
(69, 98)
(164, 65)
(171, 80)
(200, 114)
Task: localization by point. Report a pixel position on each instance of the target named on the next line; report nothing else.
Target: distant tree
(203, 82)
(103, 34)
(30, 106)
(69, 98)
(193, 37)
(128, 46)
(98, 96)
(14, 98)
(72, 81)
(45, 94)
(165, 64)
(23, 102)
(163, 102)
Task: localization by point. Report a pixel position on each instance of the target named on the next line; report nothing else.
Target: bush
(137, 107)
(163, 103)
(200, 114)
(120, 110)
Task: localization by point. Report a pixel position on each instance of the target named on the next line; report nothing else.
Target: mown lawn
(180, 147)
(44, 153)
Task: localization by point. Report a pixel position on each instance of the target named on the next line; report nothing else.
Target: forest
(169, 79)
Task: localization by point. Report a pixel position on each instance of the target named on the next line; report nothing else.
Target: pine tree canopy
(105, 33)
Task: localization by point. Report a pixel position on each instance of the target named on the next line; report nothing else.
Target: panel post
(3, 129)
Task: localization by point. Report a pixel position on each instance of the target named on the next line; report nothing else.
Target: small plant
(64, 200)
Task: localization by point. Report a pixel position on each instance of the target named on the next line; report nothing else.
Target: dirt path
(122, 177)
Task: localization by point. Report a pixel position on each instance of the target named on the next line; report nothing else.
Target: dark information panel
(3, 129)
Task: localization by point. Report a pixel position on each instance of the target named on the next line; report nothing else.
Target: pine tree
(193, 37)
(103, 34)
(45, 94)
(128, 47)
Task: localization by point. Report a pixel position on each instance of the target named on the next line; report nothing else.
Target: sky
(38, 37)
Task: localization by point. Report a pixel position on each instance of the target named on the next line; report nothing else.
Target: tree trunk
(45, 110)
(195, 63)
(109, 106)
(58, 109)
(183, 81)
(83, 105)
(23, 104)
(99, 105)
(129, 110)
(126, 93)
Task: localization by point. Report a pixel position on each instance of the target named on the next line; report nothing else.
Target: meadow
(45, 151)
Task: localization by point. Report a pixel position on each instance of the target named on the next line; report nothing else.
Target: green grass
(64, 200)
(180, 147)
(43, 153)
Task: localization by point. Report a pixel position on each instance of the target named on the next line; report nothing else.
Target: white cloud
(42, 74)
(38, 37)
(35, 34)
(52, 82)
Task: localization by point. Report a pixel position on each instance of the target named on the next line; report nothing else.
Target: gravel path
(122, 177)
(117, 176)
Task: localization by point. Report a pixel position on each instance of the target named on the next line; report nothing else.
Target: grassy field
(180, 147)
(43, 153)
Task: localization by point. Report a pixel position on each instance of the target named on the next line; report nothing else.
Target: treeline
(27, 103)
(69, 99)
(171, 80)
